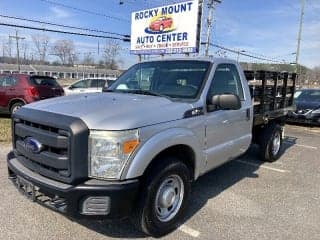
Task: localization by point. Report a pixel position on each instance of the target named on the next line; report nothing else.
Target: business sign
(168, 29)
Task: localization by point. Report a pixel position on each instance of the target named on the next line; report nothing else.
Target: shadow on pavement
(113, 228)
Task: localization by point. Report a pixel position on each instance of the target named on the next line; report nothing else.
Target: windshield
(43, 81)
(311, 95)
(174, 79)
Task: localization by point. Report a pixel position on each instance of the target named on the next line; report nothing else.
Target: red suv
(17, 90)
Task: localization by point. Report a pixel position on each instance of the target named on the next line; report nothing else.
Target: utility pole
(299, 34)
(209, 24)
(17, 38)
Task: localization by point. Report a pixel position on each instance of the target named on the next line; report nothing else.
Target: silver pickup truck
(135, 149)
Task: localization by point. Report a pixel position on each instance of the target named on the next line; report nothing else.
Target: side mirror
(71, 87)
(226, 102)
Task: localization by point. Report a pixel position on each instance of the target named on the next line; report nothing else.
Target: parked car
(17, 90)
(161, 24)
(89, 85)
(308, 107)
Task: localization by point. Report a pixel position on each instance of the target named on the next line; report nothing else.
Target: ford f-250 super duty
(135, 149)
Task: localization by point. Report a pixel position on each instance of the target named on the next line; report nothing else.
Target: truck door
(228, 132)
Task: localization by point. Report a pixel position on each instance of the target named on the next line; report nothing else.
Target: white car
(89, 85)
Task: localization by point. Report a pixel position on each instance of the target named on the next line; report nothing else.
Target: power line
(245, 54)
(62, 25)
(84, 10)
(64, 32)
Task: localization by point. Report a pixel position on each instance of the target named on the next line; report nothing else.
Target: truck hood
(114, 111)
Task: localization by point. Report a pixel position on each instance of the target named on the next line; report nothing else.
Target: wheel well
(13, 101)
(183, 152)
(258, 130)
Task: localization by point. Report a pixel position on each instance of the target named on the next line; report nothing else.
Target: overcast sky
(268, 28)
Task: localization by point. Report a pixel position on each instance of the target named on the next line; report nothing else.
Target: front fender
(158, 143)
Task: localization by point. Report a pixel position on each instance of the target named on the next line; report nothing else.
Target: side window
(81, 84)
(8, 81)
(101, 83)
(2, 80)
(226, 79)
(94, 83)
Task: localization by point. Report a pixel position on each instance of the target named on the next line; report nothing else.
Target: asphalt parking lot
(244, 199)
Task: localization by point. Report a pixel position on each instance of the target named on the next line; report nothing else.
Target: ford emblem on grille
(32, 145)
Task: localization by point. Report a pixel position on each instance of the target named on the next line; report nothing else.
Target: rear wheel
(164, 197)
(271, 143)
(15, 107)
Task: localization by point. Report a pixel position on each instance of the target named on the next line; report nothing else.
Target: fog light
(96, 206)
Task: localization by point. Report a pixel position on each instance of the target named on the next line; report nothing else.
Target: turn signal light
(129, 146)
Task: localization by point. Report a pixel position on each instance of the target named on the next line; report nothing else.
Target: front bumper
(68, 199)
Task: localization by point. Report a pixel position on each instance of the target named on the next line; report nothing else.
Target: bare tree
(65, 50)
(41, 43)
(315, 75)
(24, 47)
(7, 48)
(88, 59)
(111, 52)
(3, 49)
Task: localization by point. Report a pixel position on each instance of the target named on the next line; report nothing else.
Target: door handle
(248, 114)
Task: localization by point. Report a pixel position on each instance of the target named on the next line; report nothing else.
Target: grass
(5, 130)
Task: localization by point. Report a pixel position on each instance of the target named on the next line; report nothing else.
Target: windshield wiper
(137, 91)
(145, 92)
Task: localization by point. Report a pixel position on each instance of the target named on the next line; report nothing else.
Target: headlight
(109, 152)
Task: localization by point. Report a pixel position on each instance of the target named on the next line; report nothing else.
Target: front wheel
(15, 107)
(164, 199)
(271, 143)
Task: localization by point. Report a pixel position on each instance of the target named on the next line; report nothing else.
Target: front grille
(54, 159)
(64, 154)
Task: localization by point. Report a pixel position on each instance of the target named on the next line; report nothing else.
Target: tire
(15, 107)
(271, 143)
(164, 198)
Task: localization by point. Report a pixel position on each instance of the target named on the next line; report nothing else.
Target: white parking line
(189, 231)
(262, 166)
(305, 146)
